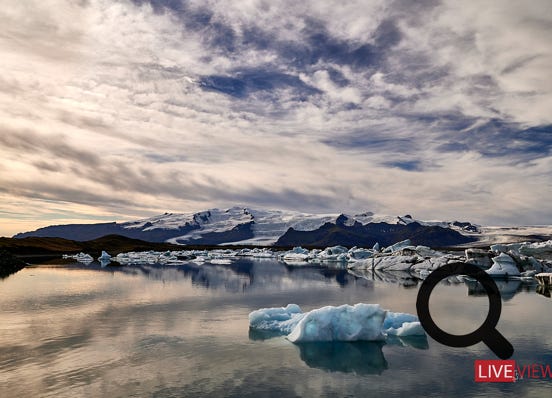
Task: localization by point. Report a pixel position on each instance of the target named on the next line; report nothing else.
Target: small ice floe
(104, 257)
(402, 324)
(359, 322)
(81, 257)
(262, 253)
(296, 254)
(200, 259)
(220, 261)
(84, 258)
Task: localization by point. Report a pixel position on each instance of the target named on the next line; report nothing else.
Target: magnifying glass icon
(486, 333)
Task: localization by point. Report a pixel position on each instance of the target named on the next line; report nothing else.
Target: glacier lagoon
(172, 331)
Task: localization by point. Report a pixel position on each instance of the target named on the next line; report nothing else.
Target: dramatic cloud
(122, 109)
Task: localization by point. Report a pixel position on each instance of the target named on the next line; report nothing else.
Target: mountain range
(247, 226)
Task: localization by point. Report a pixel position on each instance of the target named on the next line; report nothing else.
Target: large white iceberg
(359, 322)
(503, 265)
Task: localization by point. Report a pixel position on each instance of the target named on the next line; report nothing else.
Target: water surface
(138, 331)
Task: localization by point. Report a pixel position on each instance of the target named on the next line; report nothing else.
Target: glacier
(359, 322)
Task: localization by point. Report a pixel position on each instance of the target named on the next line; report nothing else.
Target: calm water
(74, 330)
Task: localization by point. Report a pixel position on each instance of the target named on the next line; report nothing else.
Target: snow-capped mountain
(247, 226)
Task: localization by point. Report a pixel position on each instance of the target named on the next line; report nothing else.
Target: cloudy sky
(114, 110)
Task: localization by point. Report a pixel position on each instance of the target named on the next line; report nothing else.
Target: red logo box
(495, 371)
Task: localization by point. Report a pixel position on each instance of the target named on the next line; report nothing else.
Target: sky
(122, 109)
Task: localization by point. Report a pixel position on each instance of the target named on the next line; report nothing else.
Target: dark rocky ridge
(84, 232)
(367, 235)
(238, 233)
(9, 264)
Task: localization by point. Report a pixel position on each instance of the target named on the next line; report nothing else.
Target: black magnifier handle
(498, 344)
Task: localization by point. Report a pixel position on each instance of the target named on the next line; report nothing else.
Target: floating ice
(402, 324)
(344, 323)
(504, 248)
(221, 261)
(426, 251)
(104, 257)
(282, 319)
(408, 329)
(356, 254)
(394, 320)
(478, 257)
(296, 254)
(538, 248)
(395, 263)
(334, 253)
(503, 265)
(397, 246)
(81, 257)
(360, 322)
(399, 257)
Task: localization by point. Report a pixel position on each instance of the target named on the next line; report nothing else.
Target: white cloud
(117, 122)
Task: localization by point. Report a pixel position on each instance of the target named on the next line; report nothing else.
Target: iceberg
(503, 266)
(104, 257)
(356, 254)
(220, 261)
(433, 263)
(83, 258)
(359, 322)
(504, 248)
(397, 246)
(395, 263)
(535, 249)
(478, 257)
(296, 254)
(334, 253)
(425, 251)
